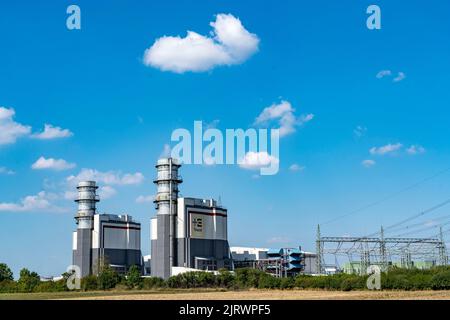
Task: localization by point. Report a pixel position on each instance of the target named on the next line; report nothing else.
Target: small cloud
(389, 148)
(52, 164)
(70, 195)
(107, 178)
(360, 131)
(388, 73)
(107, 192)
(400, 77)
(283, 113)
(229, 44)
(10, 130)
(40, 202)
(6, 171)
(384, 73)
(52, 132)
(368, 163)
(145, 199)
(415, 149)
(258, 160)
(295, 167)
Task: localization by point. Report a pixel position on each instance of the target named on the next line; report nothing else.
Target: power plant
(103, 238)
(186, 233)
(191, 234)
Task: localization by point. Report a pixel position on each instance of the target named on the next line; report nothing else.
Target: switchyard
(384, 252)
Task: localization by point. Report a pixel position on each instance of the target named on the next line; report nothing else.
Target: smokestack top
(166, 161)
(87, 184)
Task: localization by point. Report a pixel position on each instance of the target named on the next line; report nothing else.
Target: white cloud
(415, 149)
(295, 167)
(384, 73)
(10, 130)
(52, 132)
(388, 73)
(145, 199)
(229, 44)
(6, 171)
(284, 114)
(360, 131)
(40, 202)
(258, 160)
(106, 192)
(400, 77)
(107, 178)
(389, 148)
(52, 164)
(70, 195)
(368, 163)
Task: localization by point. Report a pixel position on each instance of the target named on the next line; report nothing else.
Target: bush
(8, 286)
(89, 283)
(51, 286)
(441, 281)
(192, 280)
(225, 279)
(108, 279)
(153, 283)
(267, 281)
(247, 278)
(134, 279)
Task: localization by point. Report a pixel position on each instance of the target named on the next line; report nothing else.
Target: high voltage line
(393, 195)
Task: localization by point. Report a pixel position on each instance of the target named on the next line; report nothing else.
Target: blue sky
(119, 112)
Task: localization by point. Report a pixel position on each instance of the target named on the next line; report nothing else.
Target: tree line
(437, 278)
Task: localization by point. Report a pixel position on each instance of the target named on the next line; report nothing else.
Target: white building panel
(74, 241)
(154, 229)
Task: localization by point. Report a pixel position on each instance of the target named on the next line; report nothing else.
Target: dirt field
(286, 295)
(234, 295)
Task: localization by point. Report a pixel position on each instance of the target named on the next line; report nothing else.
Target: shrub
(8, 286)
(134, 279)
(89, 283)
(287, 283)
(153, 283)
(108, 279)
(267, 281)
(441, 281)
(51, 286)
(225, 279)
(247, 278)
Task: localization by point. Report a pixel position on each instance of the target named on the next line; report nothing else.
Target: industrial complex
(190, 234)
(186, 234)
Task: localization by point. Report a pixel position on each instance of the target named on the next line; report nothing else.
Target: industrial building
(186, 232)
(103, 238)
(281, 262)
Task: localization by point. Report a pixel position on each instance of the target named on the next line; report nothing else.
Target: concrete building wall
(82, 256)
(113, 239)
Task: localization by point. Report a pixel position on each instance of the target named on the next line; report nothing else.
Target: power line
(422, 230)
(411, 226)
(393, 195)
(421, 214)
